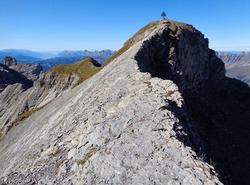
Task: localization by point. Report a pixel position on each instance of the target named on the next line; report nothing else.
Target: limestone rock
(31, 71)
(9, 61)
(49, 86)
(124, 125)
(180, 52)
(9, 76)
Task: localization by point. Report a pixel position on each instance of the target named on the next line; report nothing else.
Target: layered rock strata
(16, 101)
(124, 125)
(31, 71)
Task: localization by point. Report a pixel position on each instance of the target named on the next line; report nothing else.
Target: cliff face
(31, 71)
(128, 124)
(9, 76)
(180, 53)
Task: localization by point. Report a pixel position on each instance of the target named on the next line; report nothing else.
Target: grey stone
(9, 61)
(31, 71)
(117, 127)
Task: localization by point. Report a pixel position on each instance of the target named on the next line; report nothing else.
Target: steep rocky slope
(18, 103)
(121, 126)
(129, 124)
(237, 66)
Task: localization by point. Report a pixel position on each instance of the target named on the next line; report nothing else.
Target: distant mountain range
(34, 54)
(237, 65)
(51, 59)
(19, 58)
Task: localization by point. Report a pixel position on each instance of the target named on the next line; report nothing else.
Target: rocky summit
(129, 123)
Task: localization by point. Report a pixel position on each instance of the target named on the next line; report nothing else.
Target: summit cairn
(163, 15)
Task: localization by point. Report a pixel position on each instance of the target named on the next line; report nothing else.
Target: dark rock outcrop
(9, 76)
(31, 71)
(180, 53)
(220, 111)
(219, 107)
(9, 61)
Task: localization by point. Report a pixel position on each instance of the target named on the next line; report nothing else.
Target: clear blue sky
(53, 25)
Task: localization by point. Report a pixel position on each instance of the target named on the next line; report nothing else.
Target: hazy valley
(51, 59)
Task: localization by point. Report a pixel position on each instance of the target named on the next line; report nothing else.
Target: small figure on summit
(163, 15)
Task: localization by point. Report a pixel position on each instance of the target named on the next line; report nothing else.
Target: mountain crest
(142, 119)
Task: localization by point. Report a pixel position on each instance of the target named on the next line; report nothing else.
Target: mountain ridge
(51, 84)
(129, 123)
(237, 65)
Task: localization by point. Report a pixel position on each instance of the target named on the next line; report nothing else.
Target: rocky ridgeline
(122, 126)
(134, 121)
(17, 102)
(180, 53)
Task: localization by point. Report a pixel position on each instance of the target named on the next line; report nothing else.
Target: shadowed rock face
(180, 53)
(9, 76)
(219, 107)
(31, 71)
(221, 112)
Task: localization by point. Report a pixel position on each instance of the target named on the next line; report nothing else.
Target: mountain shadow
(218, 107)
(9, 76)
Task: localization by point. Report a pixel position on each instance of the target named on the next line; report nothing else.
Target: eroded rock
(121, 126)
(9, 61)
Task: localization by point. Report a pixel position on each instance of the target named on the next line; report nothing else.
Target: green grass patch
(56, 152)
(106, 141)
(169, 93)
(89, 154)
(27, 114)
(84, 69)
(149, 84)
(133, 95)
(81, 162)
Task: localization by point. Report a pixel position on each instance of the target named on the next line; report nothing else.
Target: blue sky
(53, 25)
